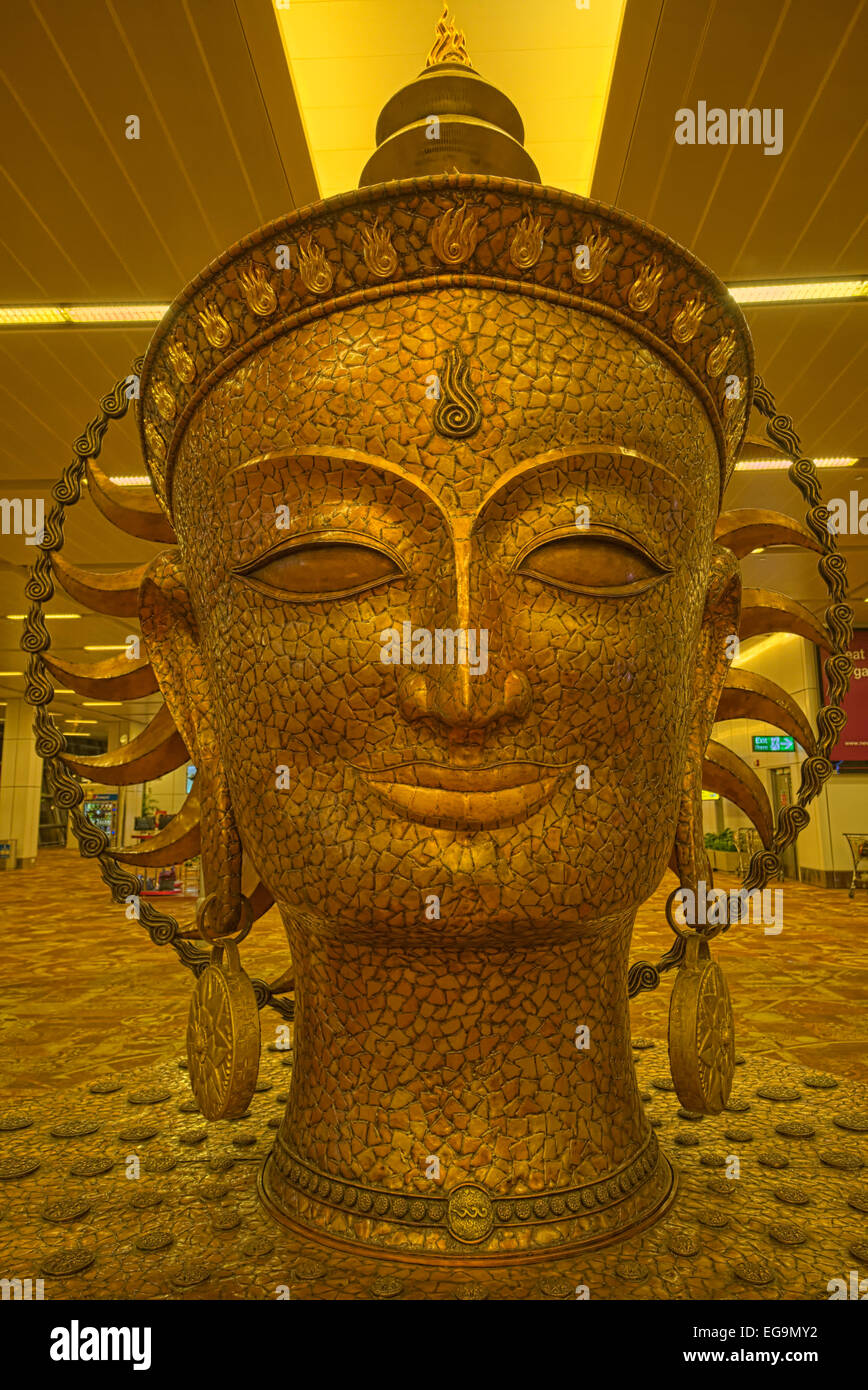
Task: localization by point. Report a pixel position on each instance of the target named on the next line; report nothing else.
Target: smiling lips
(466, 798)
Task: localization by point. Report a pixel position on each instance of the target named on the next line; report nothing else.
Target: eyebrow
(372, 461)
(554, 456)
(526, 468)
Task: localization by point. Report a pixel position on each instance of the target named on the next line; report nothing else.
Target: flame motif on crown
(527, 242)
(379, 254)
(721, 353)
(315, 271)
(450, 46)
(155, 440)
(598, 248)
(181, 362)
(165, 401)
(454, 235)
(686, 324)
(260, 296)
(646, 286)
(215, 327)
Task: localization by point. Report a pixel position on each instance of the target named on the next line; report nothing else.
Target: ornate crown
(416, 236)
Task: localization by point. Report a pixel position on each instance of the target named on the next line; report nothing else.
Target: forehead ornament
(458, 413)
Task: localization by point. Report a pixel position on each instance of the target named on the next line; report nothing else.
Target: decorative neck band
(471, 1216)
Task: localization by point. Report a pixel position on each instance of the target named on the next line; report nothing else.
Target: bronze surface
(458, 854)
(190, 1226)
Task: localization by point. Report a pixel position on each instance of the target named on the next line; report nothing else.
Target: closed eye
(593, 564)
(321, 569)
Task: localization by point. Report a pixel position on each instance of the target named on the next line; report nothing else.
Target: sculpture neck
(419, 1073)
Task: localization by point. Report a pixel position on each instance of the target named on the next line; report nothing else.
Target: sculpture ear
(172, 635)
(170, 630)
(720, 623)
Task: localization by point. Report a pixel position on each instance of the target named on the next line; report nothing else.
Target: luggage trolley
(859, 850)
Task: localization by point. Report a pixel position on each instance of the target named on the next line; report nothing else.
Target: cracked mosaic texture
(450, 1035)
(191, 1226)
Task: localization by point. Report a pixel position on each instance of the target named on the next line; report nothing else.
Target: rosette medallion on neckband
(440, 1108)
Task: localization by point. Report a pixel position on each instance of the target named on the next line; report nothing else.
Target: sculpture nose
(453, 697)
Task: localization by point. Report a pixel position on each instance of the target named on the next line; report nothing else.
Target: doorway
(782, 795)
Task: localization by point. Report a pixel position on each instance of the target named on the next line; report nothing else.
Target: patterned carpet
(86, 992)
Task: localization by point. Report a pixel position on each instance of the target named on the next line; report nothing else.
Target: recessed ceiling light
(800, 291)
(52, 617)
(111, 647)
(60, 315)
(40, 315)
(82, 721)
(768, 464)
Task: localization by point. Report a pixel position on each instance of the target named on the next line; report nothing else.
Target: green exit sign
(773, 743)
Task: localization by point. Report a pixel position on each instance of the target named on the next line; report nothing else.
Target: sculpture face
(412, 780)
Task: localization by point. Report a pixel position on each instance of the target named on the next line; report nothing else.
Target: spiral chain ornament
(816, 770)
(64, 785)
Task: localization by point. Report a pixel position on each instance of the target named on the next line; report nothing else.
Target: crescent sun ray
(747, 528)
(113, 594)
(117, 678)
(730, 776)
(158, 749)
(180, 840)
(132, 509)
(763, 611)
(749, 696)
(260, 898)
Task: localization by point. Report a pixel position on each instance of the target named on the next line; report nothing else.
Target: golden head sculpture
(445, 626)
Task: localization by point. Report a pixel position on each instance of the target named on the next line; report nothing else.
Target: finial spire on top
(450, 46)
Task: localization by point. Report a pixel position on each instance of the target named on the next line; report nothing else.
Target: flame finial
(450, 46)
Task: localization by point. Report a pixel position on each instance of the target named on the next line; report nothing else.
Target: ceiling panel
(748, 214)
(815, 361)
(51, 382)
(89, 214)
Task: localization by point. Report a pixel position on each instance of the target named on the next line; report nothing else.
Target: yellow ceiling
(554, 60)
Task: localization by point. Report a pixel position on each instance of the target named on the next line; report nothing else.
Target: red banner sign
(852, 746)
